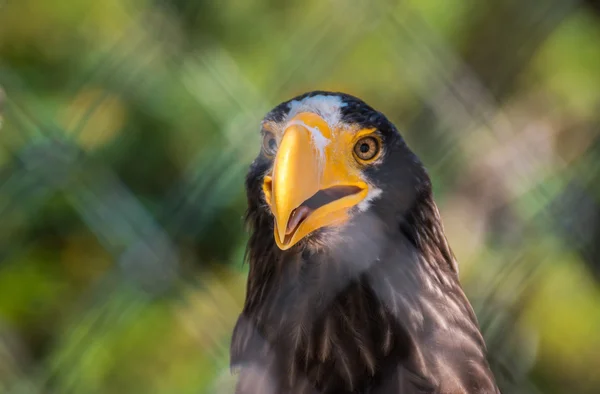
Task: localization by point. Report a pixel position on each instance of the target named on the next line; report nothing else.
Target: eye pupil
(272, 144)
(364, 147)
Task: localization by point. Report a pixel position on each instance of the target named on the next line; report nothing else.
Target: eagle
(352, 286)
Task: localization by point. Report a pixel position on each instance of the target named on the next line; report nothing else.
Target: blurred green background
(127, 127)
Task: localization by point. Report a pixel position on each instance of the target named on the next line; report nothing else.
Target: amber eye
(269, 144)
(366, 148)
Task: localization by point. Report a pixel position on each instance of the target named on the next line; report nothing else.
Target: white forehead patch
(328, 107)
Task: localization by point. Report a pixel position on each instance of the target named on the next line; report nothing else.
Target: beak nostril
(267, 188)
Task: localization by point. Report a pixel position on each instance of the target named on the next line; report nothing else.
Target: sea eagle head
(329, 166)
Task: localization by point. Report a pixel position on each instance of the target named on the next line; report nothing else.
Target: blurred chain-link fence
(128, 127)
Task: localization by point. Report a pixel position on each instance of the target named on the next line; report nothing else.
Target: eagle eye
(269, 144)
(366, 148)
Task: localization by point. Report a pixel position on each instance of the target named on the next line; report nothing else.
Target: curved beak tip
(280, 239)
(281, 233)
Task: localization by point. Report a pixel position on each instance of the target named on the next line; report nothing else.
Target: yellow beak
(314, 180)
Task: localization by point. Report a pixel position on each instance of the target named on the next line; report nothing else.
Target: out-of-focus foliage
(127, 127)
